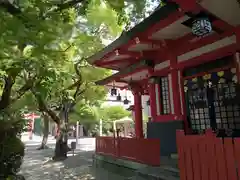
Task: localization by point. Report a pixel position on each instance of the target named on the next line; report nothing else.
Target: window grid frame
(165, 108)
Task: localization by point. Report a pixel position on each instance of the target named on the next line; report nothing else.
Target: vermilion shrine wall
(173, 56)
(164, 125)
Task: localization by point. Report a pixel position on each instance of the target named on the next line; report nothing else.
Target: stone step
(171, 169)
(174, 156)
(169, 161)
(131, 178)
(158, 173)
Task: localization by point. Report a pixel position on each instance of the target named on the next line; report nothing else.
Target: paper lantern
(201, 26)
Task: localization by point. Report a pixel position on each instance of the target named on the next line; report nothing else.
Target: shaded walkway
(39, 166)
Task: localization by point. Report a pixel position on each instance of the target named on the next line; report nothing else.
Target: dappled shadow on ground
(38, 165)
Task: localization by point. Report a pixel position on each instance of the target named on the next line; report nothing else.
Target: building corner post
(138, 113)
(152, 98)
(175, 87)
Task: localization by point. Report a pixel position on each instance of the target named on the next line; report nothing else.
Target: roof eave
(158, 15)
(131, 69)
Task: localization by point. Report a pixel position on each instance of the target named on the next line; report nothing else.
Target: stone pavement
(38, 165)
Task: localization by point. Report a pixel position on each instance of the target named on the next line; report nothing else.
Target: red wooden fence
(145, 151)
(207, 157)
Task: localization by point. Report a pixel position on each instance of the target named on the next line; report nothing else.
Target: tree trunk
(61, 147)
(45, 132)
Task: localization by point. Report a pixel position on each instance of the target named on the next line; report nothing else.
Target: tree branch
(43, 108)
(11, 9)
(26, 87)
(81, 92)
(77, 71)
(15, 11)
(69, 4)
(78, 83)
(72, 85)
(76, 92)
(9, 82)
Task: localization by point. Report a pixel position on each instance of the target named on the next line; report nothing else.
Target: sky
(152, 6)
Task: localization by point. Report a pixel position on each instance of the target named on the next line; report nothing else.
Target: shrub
(12, 153)
(11, 147)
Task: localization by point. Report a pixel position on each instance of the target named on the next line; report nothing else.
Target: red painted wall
(177, 82)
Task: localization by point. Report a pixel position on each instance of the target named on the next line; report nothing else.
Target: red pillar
(30, 128)
(175, 86)
(238, 37)
(176, 92)
(237, 54)
(237, 61)
(138, 114)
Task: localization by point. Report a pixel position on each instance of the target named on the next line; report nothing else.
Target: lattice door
(213, 100)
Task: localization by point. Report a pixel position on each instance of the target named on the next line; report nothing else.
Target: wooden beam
(139, 66)
(188, 5)
(116, 62)
(164, 23)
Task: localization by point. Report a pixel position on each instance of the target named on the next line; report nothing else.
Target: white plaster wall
(130, 97)
(110, 100)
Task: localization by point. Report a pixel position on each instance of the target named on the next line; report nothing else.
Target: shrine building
(186, 57)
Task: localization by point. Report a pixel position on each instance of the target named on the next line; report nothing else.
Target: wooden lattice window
(164, 95)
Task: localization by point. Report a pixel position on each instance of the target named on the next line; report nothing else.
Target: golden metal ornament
(185, 82)
(194, 86)
(234, 79)
(222, 80)
(194, 79)
(220, 73)
(207, 76)
(233, 70)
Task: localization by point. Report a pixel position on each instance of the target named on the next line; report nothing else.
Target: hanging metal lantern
(126, 101)
(148, 102)
(152, 80)
(119, 98)
(201, 26)
(113, 91)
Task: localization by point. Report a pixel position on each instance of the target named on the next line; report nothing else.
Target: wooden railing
(207, 157)
(145, 151)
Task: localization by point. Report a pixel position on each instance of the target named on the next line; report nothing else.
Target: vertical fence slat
(188, 157)
(207, 157)
(195, 157)
(237, 153)
(214, 157)
(146, 151)
(212, 166)
(181, 154)
(230, 161)
(203, 158)
(221, 163)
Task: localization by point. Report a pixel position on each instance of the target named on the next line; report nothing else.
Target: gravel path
(38, 165)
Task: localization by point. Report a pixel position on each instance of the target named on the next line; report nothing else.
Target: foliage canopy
(44, 46)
